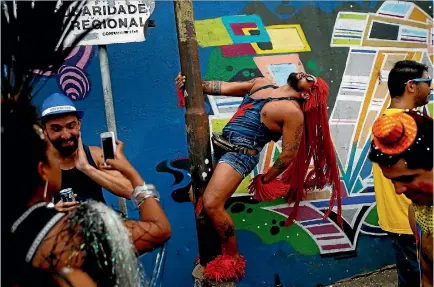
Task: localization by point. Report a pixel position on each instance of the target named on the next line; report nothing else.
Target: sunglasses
(421, 80)
(310, 78)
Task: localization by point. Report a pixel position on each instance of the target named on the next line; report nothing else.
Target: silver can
(66, 195)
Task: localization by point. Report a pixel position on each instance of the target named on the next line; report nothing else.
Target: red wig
(316, 145)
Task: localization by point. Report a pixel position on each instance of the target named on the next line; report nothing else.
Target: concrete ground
(385, 277)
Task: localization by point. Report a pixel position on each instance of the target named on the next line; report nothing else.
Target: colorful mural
(72, 79)
(239, 41)
(245, 48)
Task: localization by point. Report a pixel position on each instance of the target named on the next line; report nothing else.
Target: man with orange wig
(295, 112)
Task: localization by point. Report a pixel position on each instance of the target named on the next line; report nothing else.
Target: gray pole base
(200, 281)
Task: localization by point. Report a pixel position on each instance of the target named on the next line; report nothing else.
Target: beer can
(66, 195)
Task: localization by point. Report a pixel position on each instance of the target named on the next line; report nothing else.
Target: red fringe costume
(316, 145)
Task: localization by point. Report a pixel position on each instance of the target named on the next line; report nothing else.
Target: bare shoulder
(290, 112)
(96, 153)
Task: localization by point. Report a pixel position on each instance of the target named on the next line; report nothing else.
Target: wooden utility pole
(198, 134)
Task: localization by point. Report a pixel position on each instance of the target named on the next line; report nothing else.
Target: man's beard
(65, 150)
(293, 81)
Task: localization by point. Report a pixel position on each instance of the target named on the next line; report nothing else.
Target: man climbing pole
(296, 111)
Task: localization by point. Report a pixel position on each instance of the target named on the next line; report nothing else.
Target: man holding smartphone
(80, 164)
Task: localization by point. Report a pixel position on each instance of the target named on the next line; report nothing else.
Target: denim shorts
(242, 163)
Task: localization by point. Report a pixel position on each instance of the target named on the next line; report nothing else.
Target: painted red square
(237, 50)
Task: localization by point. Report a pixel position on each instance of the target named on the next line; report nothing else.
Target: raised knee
(210, 203)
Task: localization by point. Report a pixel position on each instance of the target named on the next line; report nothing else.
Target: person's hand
(66, 206)
(120, 162)
(81, 162)
(180, 81)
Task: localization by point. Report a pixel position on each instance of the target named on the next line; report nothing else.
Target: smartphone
(108, 145)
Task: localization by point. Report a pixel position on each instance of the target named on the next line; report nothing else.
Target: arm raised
(234, 89)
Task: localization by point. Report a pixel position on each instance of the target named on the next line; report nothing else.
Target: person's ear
(411, 87)
(42, 171)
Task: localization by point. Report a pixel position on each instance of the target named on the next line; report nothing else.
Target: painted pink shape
(336, 246)
(264, 62)
(85, 58)
(344, 192)
(77, 76)
(304, 213)
(73, 52)
(46, 74)
(237, 50)
(323, 229)
(237, 28)
(330, 237)
(74, 82)
(72, 93)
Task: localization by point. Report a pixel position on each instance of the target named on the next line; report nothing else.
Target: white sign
(112, 21)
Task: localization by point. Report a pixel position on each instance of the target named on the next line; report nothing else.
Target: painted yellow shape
(217, 125)
(381, 57)
(284, 38)
(419, 15)
(212, 32)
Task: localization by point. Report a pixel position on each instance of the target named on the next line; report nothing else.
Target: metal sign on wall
(113, 21)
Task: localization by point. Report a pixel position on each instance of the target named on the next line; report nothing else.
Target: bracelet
(143, 192)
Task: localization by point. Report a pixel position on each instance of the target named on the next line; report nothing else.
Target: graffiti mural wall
(352, 45)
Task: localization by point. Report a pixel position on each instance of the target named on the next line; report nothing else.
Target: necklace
(25, 214)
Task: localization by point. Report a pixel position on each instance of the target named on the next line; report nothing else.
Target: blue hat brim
(80, 113)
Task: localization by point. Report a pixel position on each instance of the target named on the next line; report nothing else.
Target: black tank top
(81, 184)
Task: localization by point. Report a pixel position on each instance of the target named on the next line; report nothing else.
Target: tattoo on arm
(212, 87)
(293, 146)
(279, 164)
(290, 147)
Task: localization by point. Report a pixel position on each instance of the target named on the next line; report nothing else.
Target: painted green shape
(372, 217)
(359, 186)
(212, 32)
(346, 42)
(276, 154)
(217, 66)
(353, 16)
(259, 221)
(431, 109)
(313, 66)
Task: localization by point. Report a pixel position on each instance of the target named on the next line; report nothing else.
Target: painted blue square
(281, 72)
(238, 39)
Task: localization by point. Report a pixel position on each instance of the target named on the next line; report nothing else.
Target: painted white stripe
(59, 108)
(333, 241)
(351, 98)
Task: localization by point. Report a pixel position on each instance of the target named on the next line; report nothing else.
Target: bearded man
(80, 164)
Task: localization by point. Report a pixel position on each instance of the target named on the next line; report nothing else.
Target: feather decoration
(34, 36)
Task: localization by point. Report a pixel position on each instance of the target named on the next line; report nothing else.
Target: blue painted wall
(153, 129)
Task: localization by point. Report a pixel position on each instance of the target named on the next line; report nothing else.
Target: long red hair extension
(317, 146)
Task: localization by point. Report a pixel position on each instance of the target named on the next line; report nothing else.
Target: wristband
(262, 179)
(143, 192)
